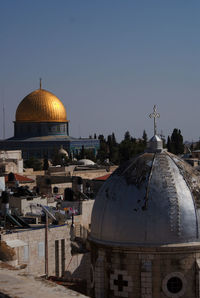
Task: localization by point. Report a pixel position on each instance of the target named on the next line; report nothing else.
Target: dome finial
(40, 83)
(155, 143)
(154, 115)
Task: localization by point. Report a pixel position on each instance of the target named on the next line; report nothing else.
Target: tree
(169, 147)
(103, 150)
(113, 150)
(34, 163)
(90, 154)
(119, 152)
(127, 136)
(45, 164)
(126, 147)
(176, 145)
(144, 137)
(82, 153)
(114, 142)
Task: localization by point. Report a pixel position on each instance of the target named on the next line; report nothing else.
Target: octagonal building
(41, 128)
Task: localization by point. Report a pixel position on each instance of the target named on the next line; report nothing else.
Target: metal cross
(154, 115)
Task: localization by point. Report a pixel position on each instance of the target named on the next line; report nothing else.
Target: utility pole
(46, 247)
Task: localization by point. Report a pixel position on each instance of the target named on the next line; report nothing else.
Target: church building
(41, 128)
(145, 228)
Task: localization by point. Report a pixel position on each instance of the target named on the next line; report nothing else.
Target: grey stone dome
(150, 200)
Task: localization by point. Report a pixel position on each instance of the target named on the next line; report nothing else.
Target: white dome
(150, 200)
(86, 162)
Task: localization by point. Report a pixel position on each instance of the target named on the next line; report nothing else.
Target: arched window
(55, 189)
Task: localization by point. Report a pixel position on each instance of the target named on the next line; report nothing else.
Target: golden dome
(41, 106)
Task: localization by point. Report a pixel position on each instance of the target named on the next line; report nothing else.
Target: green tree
(127, 136)
(82, 153)
(45, 164)
(176, 144)
(89, 154)
(144, 137)
(34, 163)
(126, 147)
(169, 146)
(103, 151)
(113, 149)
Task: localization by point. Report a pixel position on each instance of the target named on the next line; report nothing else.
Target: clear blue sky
(109, 61)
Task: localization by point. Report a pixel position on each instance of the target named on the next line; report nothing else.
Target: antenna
(4, 127)
(3, 110)
(79, 131)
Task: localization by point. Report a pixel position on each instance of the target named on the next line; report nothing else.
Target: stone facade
(11, 161)
(83, 221)
(154, 272)
(46, 184)
(29, 246)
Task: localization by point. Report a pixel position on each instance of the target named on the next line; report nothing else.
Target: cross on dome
(154, 115)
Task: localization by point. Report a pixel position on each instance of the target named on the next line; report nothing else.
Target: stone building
(11, 161)
(41, 128)
(53, 184)
(29, 246)
(145, 229)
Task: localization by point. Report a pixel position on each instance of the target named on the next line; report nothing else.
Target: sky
(109, 61)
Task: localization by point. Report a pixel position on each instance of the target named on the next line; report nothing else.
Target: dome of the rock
(41, 106)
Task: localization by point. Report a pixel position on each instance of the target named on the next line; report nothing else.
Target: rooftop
(20, 178)
(16, 283)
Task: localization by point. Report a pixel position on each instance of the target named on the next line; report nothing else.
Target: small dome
(150, 200)
(86, 162)
(41, 106)
(62, 151)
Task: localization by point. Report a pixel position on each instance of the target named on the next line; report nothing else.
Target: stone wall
(60, 260)
(145, 272)
(82, 221)
(46, 183)
(86, 213)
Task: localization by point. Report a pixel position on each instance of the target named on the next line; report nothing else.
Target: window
(63, 256)
(174, 285)
(55, 189)
(41, 249)
(57, 269)
(26, 253)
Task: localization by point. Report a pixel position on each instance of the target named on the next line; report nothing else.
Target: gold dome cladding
(41, 106)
